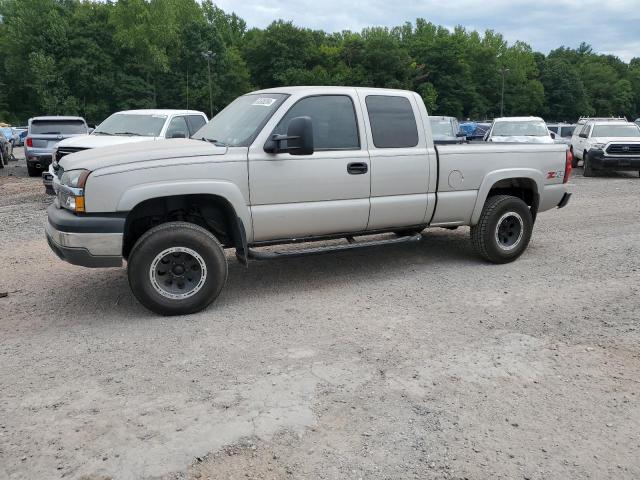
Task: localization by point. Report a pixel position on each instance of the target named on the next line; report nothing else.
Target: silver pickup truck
(287, 165)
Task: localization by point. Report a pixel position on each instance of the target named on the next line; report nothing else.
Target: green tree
(566, 99)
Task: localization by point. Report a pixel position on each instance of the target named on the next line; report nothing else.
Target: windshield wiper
(49, 133)
(217, 143)
(129, 133)
(95, 132)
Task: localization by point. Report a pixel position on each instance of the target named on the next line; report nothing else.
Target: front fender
(227, 190)
(493, 177)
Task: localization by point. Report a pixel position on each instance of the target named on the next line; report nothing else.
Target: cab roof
(518, 119)
(160, 111)
(328, 89)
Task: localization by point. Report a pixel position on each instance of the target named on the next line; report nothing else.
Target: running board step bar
(352, 245)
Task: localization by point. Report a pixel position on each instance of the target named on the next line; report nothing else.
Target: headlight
(75, 178)
(71, 193)
(599, 146)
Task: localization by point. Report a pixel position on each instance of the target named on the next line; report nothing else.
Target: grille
(62, 151)
(624, 149)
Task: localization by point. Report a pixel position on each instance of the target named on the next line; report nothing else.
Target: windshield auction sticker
(264, 101)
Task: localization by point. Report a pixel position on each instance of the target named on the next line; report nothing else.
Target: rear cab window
(393, 123)
(57, 127)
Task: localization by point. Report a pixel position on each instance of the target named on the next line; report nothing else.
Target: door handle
(357, 168)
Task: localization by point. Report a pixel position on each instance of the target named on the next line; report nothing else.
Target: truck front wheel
(586, 165)
(504, 229)
(177, 268)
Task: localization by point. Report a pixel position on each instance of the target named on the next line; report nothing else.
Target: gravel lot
(407, 361)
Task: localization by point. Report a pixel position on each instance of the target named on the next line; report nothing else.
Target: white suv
(606, 144)
(130, 126)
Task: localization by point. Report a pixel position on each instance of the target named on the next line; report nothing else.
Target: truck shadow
(441, 249)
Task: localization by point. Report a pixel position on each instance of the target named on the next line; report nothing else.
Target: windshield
(131, 124)
(57, 127)
(520, 129)
(441, 127)
(239, 123)
(616, 131)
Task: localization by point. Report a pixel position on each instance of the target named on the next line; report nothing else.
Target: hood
(97, 141)
(139, 152)
(523, 139)
(615, 139)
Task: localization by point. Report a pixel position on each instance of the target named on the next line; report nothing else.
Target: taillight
(567, 166)
(29, 142)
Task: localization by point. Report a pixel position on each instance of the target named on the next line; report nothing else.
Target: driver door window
(334, 122)
(177, 128)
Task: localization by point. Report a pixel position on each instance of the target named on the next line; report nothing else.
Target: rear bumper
(88, 241)
(565, 199)
(38, 159)
(600, 161)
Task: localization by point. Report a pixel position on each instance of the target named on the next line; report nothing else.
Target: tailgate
(46, 133)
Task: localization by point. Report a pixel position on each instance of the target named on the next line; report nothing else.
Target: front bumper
(600, 161)
(87, 240)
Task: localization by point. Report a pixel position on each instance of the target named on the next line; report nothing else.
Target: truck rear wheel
(177, 268)
(504, 229)
(32, 170)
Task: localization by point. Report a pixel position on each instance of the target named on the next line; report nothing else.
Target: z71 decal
(556, 174)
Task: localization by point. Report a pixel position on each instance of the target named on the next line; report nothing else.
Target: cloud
(611, 27)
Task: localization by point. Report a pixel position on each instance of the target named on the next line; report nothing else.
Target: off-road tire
(182, 235)
(32, 170)
(484, 234)
(574, 160)
(586, 165)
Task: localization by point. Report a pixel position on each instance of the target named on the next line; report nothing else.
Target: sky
(609, 26)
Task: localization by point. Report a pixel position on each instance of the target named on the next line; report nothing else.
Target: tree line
(89, 58)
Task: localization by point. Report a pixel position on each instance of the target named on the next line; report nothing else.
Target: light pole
(209, 55)
(504, 71)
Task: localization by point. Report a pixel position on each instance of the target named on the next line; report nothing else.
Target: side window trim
(355, 117)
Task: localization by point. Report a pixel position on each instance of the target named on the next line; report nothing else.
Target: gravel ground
(407, 361)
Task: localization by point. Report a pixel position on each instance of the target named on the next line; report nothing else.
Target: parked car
(562, 132)
(475, 130)
(518, 130)
(607, 144)
(5, 151)
(637, 121)
(9, 135)
(291, 164)
(43, 136)
(446, 130)
(128, 127)
(21, 135)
